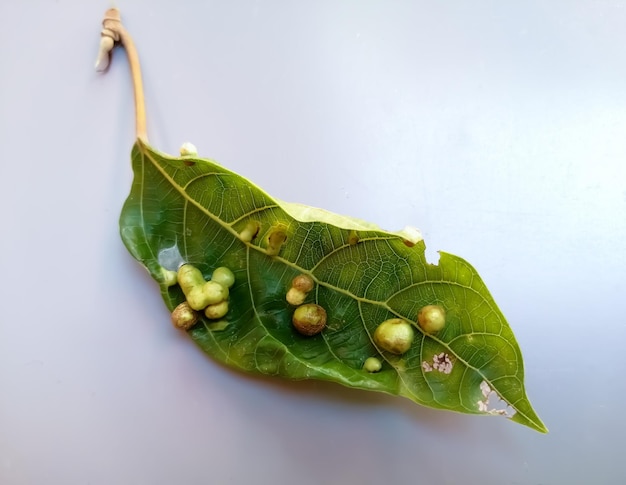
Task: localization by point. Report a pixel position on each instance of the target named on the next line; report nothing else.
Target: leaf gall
(223, 276)
(276, 238)
(200, 293)
(431, 318)
(372, 364)
(170, 278)
(303, 282)
(394, 335)
(217, 310)
(309, 319)
(184, 317)
(295, 296)
(250, 231)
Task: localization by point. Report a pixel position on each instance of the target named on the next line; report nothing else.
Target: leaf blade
(363, 275)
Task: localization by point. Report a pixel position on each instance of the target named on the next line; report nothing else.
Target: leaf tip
(533, 422)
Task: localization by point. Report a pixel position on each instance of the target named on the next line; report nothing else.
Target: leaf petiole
(112, 29)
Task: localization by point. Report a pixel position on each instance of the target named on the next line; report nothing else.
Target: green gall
(309, 319)
(200, 293)
(207, 294)
(353, 238)
(189, 277)
(223, 276)
(301, 285)
(372, 364)
(250, 231)
(184, 317)
(214, 292)
(394, 335)
(196, 298)
(276, 238)
(295, 297)
(431, 318)
(302, 282)
(169, 278)
(217, 310)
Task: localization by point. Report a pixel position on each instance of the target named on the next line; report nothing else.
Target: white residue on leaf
(170, 258)
(411, 234)
(188, 150)
(441, 362)
(485, 389)
(492, 403)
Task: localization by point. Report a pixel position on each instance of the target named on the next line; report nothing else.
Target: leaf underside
(190, 210)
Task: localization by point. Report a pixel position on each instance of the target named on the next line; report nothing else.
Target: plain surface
(498, 128)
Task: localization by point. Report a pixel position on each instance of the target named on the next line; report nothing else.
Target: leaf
(189, 210)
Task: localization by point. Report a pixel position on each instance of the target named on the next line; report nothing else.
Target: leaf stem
(113, 32)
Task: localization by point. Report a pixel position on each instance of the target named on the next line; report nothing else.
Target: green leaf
(188, 210)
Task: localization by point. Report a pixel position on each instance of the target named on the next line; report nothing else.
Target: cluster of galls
(396, 334)
(308, 319)
(201, 295)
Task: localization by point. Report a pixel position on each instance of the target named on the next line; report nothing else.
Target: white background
(498, 128)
